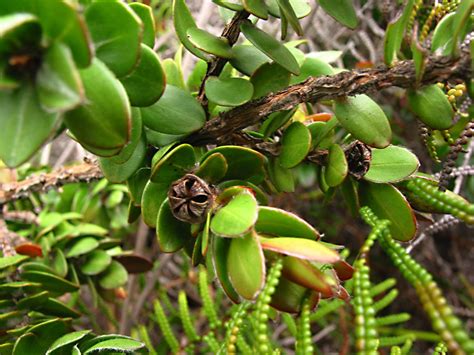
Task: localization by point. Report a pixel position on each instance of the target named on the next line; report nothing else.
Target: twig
(85, 172)
(220, 129)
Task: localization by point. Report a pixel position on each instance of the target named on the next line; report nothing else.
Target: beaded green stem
(207, 303)
(262, 307)
(440, 349)
(233, 327)
(185, 316)
(448, 326)
(166, 328)
(303, 335)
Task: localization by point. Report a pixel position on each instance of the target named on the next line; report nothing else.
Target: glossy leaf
(24, 125)
(391, 164)
(152, 198)
(81, 246)
(33, 301)
(242, 163)
(247, 58)
(312, 67)
(114, 276)
(365, 120)
(135, 135)
(104, 121)
(271, 47)
(67, 339)
(336, 170)
(282, 223)
(431, 106)
(120, 172)
(398, 211)
(247, 274)
(95, 262)
(120, 344)
(7, 261)
(171, 232)
(256, 7)
(463, 15)
(287, 13)
(442, 34)
(213, 169)
(282, 178)
(136, 183)
(177, 112)
(117, 41)
(236, 217)
(220, 255)
(18, 30)
(295, 145)
(49, 281)
(300, 7)
(146, 83)
(60, 264)
(58, 82)
(269, 77)
(207, 42)
(146, 16)
(183, 21)
(173, 165)
(341, 10)
(289, 296)
(301, 248)
(228, 92)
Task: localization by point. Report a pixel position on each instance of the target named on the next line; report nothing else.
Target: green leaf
(288, 13)
(242, 163)
(33, 302)
(146, 83)
(281, 177)
(295, 145)
(173, 73)
(50, 282)
(247, 274)
(431, 106)
(24, 125)
(289, 296)
(443, 34)
(95, 262)
(172, 233)
(183, 21)
(282, 223)
(300, 7)
(59, 263)
(116, 32)
(122, 171)
(58, 82)
(364, 119)
(220, 255)
(175, 113)
(119, 344)
(391, 164)
(145, 13)
(18, 31)
(152, 198)
(337, 168)
(342, 11)
(81, 246)
(114, 276)
(237, 216)
(301, 248)
(256, 7)
(228, 92)
(213, 169)
(207, 42)
(271, 47)
(269, 77)
(7, 261)
(419, 58)
(257, 191)
(247, 59)
(135, 136)
(136, 183)
(312, 67)
(463, 15)
(395, 32)
(104, 121)
(398, 211)
(67, 339)
(173, 165)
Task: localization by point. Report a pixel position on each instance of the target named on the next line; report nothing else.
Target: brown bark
(220, 130)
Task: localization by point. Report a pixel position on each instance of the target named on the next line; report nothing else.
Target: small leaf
(183, 21)
(136, 183)
(152, 198)
(49, 281)
(295, 145)
(67, 339)
(236, 217)
(7, 261)
(391, 164)
(256, 7)
(146, 15)
(301, 248)
(120, 344)
(34, 301)
(287, 12)
(207, 42)
(213, 168)
(247, 274)
(342, 11)
(289, 296)
(175, 113)
(95, 262)
(228, 92)
(398, 211)
(171, 232)
(365, 120)
(220, 255)
(146, 83)
(114, 276)
(312, 67)
(281, 177)
(81, 246)
(282, 223)
(247, 59)
(173, 165)
(271, 47)
(58, 82)
(269, 77)
(337, 168)
(463, 15)
(117, 41)
(442, 34)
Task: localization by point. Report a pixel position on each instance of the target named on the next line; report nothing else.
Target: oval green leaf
(342, 11)
(295, 145)
(213, 168)
(269, 77)
(247, 58)
(145, 13)
(95, 262)
(228, 92)
(49, 281)
(336, 170)
(220, 255)
(207, 42)
(67, 339)
(173, 165)
(81, 246)
(120, 344)
(172, 233)
(152, 198)
(114, 276)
